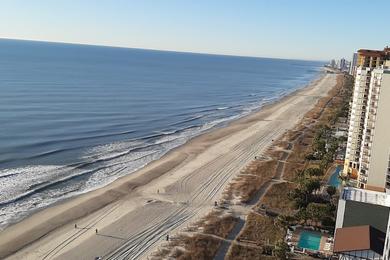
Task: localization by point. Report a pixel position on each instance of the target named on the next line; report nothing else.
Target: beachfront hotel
(363, 215)
(372, 58)
(356, 122)
(366, 62)
(374, 171)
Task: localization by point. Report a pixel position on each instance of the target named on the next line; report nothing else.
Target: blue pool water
(309, 240)
(334, 180)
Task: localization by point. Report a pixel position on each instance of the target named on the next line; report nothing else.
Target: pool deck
(326, 244)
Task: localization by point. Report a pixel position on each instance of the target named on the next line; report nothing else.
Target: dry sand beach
(134, 213)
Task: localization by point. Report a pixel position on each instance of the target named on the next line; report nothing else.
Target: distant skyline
(313, 30)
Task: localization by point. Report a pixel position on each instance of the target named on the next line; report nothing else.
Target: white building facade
(374, 170)
(356, 123)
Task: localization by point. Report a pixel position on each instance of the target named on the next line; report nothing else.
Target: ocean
(76, 117)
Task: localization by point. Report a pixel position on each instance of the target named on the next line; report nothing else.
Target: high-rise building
(372, 58)
(356, 122)
(332, 63)
(363, 213)
(352, 66)
(368, 58)
(374, 161)
(360, 122)
(342, 64)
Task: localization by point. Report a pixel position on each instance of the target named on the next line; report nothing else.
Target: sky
(299, 29)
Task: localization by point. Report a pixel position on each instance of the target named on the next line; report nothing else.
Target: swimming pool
(309, 240)
(334, 179)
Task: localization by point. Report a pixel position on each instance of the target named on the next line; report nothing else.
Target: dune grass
(277, 200)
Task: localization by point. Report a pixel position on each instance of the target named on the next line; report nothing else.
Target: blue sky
(303, 29)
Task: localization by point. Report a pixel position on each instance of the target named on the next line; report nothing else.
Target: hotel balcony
(365, 162)
(363, 174)
(363, 180)
(368, 139)
(375, 91)
(373, 112)
(365, 171)
(374, 97)
(370, 124)
(367, 146)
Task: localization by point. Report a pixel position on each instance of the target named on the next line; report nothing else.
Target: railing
(373, 197)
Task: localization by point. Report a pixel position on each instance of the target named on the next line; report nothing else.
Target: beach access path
(134, 213)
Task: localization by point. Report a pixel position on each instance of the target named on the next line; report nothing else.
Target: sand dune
(134, 213)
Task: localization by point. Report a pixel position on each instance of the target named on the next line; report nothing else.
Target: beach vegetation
(318, 211)
(299, 199)
(281, 250)
(331, 190)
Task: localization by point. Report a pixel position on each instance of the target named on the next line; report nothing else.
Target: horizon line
(152, 49)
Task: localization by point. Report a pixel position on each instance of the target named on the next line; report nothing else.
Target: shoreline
(259, 194)
(225, 123)
(131, 188)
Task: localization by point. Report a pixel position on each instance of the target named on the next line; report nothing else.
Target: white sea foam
(222, 108)
(24, 180)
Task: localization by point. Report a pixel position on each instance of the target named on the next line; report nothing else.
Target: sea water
(75, 117)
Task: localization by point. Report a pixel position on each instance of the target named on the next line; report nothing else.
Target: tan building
(366, 61)
(364, 58)
(372, 58)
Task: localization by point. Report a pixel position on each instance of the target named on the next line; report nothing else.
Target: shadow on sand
(121, 238)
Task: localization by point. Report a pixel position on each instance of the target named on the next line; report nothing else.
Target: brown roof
(359, 238)
(372, 53)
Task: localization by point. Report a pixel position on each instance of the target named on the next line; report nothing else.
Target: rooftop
(359, 214)
(366, 196)
(375, 53)
(359, 238)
